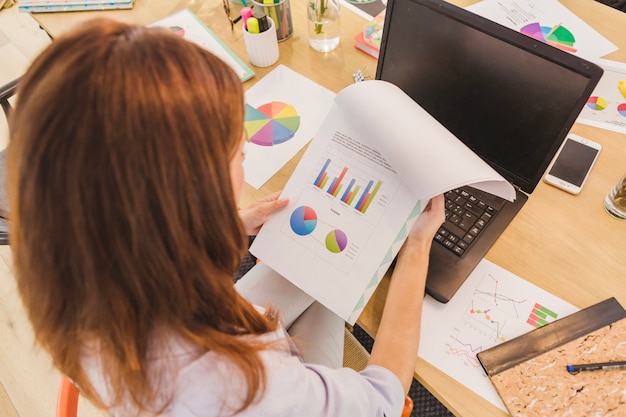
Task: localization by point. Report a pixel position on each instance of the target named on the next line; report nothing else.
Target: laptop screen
(510, 98)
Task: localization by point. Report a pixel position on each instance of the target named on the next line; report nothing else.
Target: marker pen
(596, 366)
(253, 25)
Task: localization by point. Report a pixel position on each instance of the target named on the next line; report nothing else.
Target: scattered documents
(357, 191)
(187, 25)
(492, 306)
(606, 107)
(547, 21)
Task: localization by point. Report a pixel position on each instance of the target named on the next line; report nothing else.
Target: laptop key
(473, 208)
(466, 216)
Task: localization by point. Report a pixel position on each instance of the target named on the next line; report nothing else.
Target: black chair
(6, 92)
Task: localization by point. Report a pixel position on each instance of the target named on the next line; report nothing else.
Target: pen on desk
(596, 366)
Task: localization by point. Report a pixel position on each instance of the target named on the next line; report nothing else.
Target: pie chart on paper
(557, 35)
(336, 241)
(177, 30)
(596, 103)
(303, 220)
(271, 124)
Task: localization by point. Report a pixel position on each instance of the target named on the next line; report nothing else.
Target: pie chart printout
(303, 220)
(336, 241)
(621, 109)
(557, 35)
(271, 124)
(177, 30)
(596, 103)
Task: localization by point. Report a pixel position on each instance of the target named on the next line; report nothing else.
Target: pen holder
(280, 12)
(262, 47)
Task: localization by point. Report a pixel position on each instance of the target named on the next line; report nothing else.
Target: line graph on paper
(492, 306)
(492, 316)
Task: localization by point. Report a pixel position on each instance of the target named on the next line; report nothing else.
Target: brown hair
(123, 218)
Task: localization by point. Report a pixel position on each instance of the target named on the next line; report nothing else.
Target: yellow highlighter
(253, 25)
(270, 10)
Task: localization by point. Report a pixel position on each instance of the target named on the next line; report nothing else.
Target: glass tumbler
(323, 24)
(615, 200)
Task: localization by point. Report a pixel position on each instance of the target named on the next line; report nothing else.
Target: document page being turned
(373, 165)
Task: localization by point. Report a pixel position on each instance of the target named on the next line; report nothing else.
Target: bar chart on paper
(356, 192)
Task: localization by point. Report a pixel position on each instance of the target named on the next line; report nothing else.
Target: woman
(125, 168)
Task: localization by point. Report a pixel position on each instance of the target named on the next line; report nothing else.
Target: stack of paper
(42, 6)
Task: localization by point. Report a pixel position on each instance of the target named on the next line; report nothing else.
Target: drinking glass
(615, 200)
(323, 24)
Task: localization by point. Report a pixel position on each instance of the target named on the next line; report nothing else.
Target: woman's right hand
(427, 223)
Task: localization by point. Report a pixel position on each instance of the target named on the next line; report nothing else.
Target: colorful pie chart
(271, 124)
(621, 109)
(596, 103)
(557, 35)
(303, 220)
(177, 30)
(336, 241)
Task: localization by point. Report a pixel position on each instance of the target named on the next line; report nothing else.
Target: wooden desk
(563, 243)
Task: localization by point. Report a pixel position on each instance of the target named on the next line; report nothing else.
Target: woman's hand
(428, 222)
(255, 215)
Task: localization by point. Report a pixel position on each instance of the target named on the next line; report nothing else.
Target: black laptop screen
(510, 98)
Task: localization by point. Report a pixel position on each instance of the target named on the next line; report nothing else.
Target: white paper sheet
(187, 25)
(307, 99)
(542, 17)
(356, 192)
(606, 107)
(492, 306)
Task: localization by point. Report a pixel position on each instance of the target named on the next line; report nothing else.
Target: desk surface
(563, 243)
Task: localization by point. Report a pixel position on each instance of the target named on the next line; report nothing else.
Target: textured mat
(424, 404)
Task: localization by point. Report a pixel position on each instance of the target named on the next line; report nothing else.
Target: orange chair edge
(67, 399)
(408, 407)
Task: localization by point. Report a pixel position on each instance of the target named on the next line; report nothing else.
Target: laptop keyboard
(466, 217)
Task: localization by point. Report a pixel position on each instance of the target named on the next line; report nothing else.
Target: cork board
(542, 386)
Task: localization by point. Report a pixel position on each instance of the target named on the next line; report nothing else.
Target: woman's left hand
(255, 215)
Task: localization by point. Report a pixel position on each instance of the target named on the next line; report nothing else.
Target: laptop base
(447, 271)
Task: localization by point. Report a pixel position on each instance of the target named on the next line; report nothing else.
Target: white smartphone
(572, 164)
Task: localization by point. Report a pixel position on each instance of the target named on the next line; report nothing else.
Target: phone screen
(573, 162)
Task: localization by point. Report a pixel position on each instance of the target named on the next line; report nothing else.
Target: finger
(272, 197)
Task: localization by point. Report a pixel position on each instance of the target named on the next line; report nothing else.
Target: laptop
(510, 98)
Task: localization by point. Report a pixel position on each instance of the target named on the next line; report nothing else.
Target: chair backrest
(6, 92)
(67, 398)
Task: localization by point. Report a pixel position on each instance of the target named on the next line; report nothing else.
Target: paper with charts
(547, 21)
(283, 111)
(491, 307)
(187, 25)
(606, 107)
(356, 192)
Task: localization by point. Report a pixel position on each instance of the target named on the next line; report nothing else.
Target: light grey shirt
(209, 385)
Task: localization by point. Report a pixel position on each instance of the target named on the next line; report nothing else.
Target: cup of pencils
(280, 12)
(259, 35)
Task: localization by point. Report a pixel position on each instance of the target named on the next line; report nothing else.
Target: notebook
(530, 372)
(510, 98)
